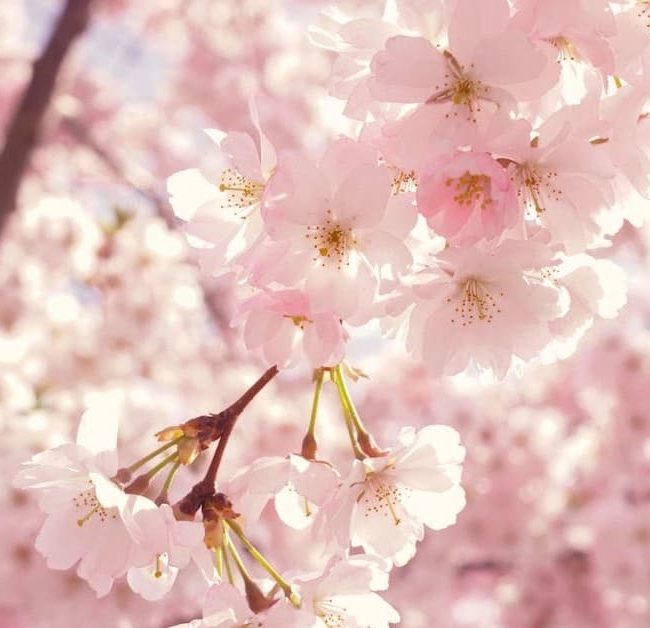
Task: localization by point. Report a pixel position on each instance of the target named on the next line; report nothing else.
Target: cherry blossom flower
(596, 287)
(223, 219)
(561, 177)
(468, 197)
(90, 520)
(299, 487)
(385, 502)
(284, 328)
(344, 594)
(577, 30)
(483, 308)
(166, 545)
(335, 224)
(487, 55)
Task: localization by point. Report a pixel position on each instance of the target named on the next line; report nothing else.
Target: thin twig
(204, 489)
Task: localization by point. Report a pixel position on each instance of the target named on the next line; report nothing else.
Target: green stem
(320, 374)
(136, 465)
(218, 560)
(243, 572)
(346, 400)
(309, 445)
(226, 562)
(280, 581)
(169, 479)
(161, 465)
(358, 454)
(364, 439)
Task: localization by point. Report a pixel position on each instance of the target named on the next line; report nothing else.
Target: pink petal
(360, 200)
(409, 69)
(241, 148)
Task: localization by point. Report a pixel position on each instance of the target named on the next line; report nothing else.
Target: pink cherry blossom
(223, 219)
(561, 177)
(385, 502)
(576, 29)
(284, 328)
(468, 197)
(165, 546)
(299, 487)
(483, 308)
(90, 520)
(486, 55)
(344, 594)
(334, 225)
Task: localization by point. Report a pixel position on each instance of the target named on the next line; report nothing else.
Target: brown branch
(230, 415)
(23, 130)
(82, 134)
(226, 419)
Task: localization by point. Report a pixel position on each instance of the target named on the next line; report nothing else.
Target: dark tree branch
(23, 130)
(226, 420)
(82, 134)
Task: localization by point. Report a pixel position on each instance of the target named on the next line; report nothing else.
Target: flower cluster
(100, 519)
(498, 147)
(494, 149)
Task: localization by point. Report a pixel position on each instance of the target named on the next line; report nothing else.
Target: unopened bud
(188, 450)
(369, 446)
(309, 447)
(123, 476)
(139, 485)
(170, 433)
(257, 601)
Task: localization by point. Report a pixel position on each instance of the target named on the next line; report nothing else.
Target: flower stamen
(472, 188)
(332, 241)
(242, 192)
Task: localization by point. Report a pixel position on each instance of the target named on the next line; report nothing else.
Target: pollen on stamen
(332, 615)
(331, 242)
(535, 187)
(241, 192)
(472, 188)
(643, 12)
(382, 498)
(460, 89)
(403, 181)
(476, 304)
(87, 500)
(550, 274)
(566, 50)
(299, 321)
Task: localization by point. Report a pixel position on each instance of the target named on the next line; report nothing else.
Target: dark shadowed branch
(22, 133)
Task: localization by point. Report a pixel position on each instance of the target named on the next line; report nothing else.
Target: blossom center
(476, 304)
(459, 88)
(536, 184)
(88, 503)
(331, 241)
(298, 321)
(567, 51)
(332, 614)
(381, 497)
(241, 192)
(403, 181)
(471, 188)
